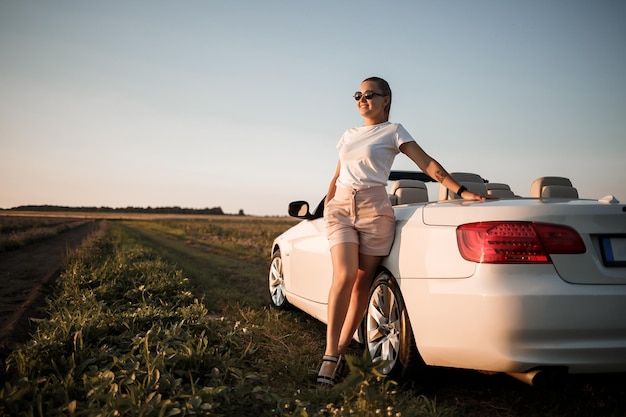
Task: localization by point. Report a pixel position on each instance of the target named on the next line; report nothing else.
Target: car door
(310, 264)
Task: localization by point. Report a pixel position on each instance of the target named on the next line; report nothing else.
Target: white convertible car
(515, 285)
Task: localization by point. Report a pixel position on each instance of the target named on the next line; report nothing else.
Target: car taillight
(516, 242)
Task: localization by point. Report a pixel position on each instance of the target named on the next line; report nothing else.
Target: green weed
(125, 336)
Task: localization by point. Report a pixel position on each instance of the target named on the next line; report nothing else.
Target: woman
(359, 219)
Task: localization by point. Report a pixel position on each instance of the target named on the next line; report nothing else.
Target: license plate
(613, 250)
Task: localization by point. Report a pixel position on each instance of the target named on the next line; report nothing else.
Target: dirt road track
(26, 275)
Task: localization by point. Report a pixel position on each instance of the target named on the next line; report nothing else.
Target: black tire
(387, 331)
(276, 282)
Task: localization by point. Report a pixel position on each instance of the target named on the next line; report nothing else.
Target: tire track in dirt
(26, 276)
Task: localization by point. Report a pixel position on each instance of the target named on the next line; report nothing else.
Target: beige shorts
(364, 217)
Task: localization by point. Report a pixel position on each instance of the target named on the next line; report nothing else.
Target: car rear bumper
(513, 318)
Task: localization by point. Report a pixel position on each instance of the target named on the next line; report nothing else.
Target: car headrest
(409, 191)
(472, 182)
(553, 187)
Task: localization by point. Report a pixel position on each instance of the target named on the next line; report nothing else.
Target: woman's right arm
(333, 187)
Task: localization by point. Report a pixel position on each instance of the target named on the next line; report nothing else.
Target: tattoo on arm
(440, 175)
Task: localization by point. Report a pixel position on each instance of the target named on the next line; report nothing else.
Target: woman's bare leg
(368, 265)
(347, 298)
(345, 258)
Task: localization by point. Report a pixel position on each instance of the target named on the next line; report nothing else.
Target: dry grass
(18, 231)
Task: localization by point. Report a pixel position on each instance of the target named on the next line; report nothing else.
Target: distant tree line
(146, 210)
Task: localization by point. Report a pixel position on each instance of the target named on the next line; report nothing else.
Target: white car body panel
(570, 313)
(457, 323)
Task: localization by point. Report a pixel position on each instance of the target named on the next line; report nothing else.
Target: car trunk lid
(602, 227)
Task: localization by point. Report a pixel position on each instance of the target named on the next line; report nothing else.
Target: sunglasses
(368, 94)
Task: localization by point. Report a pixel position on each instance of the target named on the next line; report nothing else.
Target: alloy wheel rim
(383, 327)
(276, 282)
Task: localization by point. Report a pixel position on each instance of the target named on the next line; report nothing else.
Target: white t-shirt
(366, 154)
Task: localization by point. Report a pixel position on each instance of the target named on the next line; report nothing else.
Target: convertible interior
(409, 187)
(408, 191)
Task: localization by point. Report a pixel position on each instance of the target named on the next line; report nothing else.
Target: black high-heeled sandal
(326, 379)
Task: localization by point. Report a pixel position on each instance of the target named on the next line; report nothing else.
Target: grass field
(170, 316)
(19, 231)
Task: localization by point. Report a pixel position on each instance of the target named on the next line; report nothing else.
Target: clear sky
(239, 104)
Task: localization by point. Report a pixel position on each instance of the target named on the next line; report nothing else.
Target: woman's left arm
(434, 170)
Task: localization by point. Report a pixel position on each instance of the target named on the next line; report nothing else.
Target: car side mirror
(300, 210)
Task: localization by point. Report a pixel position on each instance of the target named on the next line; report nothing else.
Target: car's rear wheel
(277, 282)
(387, 331)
